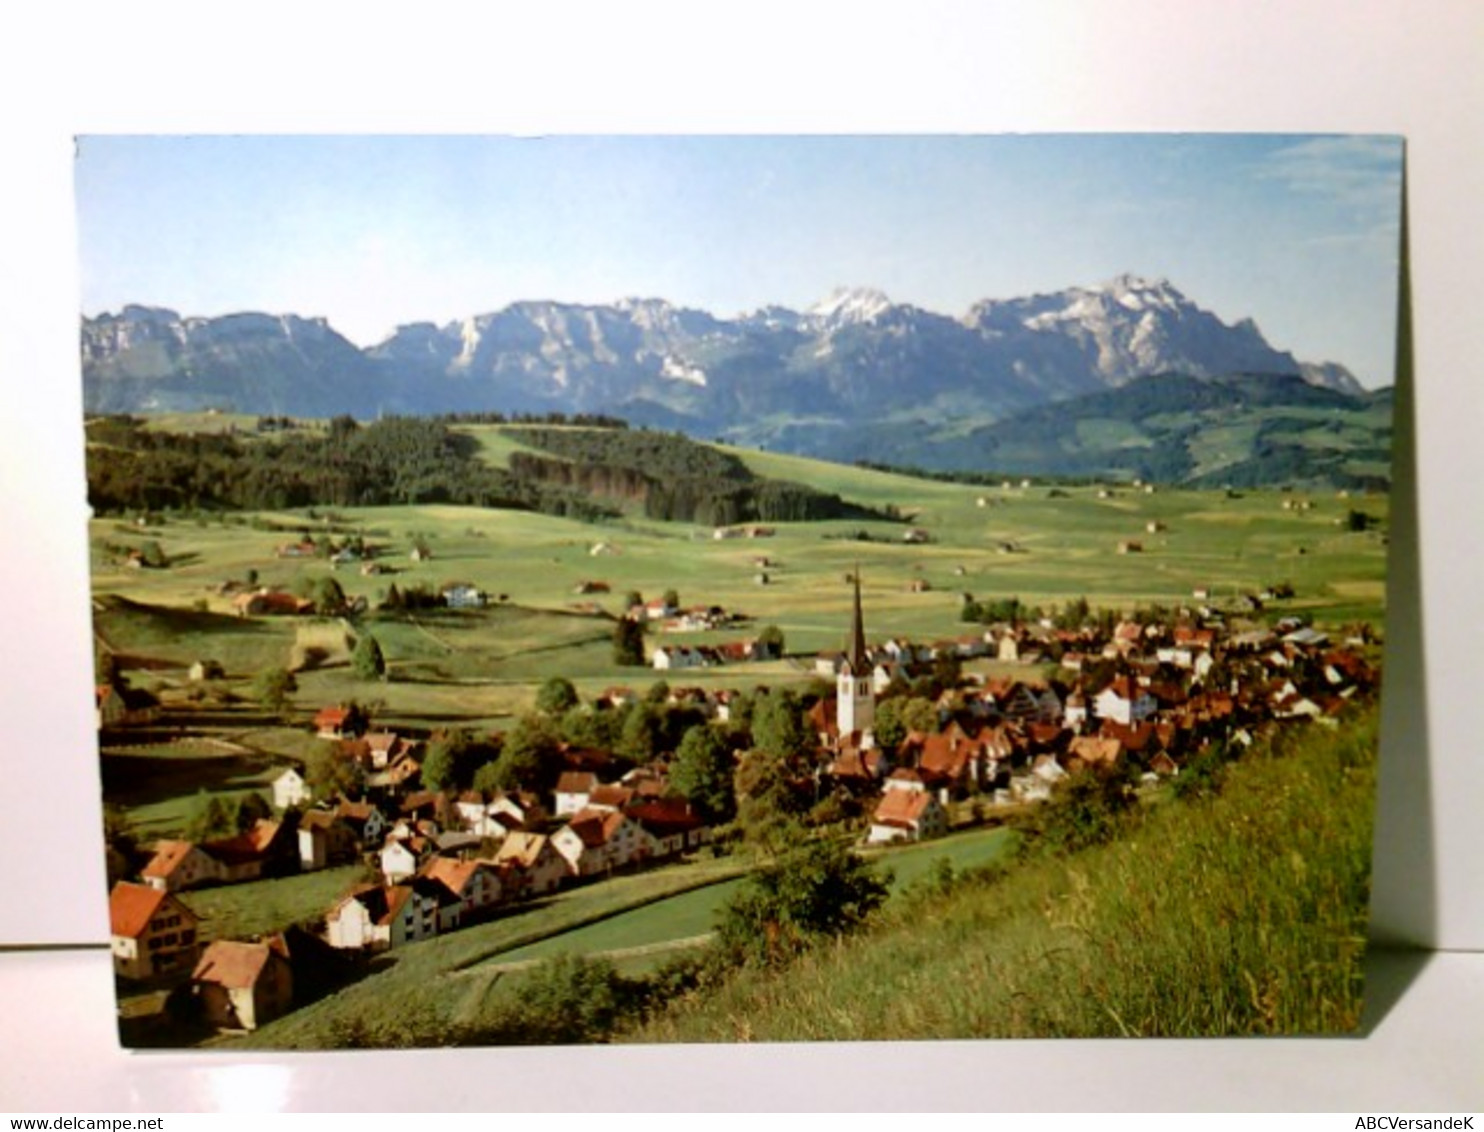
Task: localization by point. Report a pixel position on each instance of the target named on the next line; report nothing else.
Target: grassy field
(243, 911)
(481, 667)
(694, 913)
(1242, 914)
(447, 975)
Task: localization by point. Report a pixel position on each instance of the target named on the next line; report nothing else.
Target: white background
(1328, 65)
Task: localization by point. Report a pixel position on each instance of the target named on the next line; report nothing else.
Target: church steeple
(855, 647)
(855, 695)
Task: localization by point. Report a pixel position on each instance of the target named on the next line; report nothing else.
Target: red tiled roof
(576, 782)
(132, 906)
(611, 795)
(168, 857)
(331, 717)
(902, 807)
(453, 875)
(232, 963)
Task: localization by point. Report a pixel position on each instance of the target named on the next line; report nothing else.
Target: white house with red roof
(152, 932)
(240, 985)
(573, 788)
(473, 887)
(597, 840)
(907, 815)
(179, 865)
(382, 916)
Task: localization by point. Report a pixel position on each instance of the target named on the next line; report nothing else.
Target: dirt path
(491, 969)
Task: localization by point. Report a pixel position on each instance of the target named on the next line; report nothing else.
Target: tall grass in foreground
(1238, 912)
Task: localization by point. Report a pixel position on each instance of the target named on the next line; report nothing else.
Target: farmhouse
(473, 886)
(239, 986)
(324, 840)
(289, 789)
(533, 864)
(153, 933)
(271, 603)
(573, 789)
(179, 865)
(378, 917)
(598, 840)
(462, 595)
(907, 815)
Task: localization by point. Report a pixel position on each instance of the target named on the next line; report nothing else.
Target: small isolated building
(290, 789)
(239, 986)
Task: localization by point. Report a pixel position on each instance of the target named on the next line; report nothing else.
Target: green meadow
(556, 585)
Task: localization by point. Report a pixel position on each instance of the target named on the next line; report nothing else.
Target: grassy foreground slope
(1239, 914)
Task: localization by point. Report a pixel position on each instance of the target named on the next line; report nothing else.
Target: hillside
(1239, 431)
(1242, 913)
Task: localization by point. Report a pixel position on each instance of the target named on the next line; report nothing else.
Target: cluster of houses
(1144, 695)
(441, 861)
(1148, 697)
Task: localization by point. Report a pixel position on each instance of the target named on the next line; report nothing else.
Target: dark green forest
(409, 460)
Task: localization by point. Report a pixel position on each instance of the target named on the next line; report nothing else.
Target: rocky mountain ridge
(771, 376)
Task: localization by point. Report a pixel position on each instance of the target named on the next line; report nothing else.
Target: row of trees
(396, 461)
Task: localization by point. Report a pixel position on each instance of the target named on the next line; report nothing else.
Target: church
(855, 693)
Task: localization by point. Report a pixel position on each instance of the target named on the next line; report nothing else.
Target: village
(900, 736)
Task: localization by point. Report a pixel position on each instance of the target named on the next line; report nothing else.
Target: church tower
(855, 695)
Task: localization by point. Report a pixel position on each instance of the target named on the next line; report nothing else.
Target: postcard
(717, 589)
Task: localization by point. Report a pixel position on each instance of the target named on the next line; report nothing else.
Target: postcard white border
(1327, 65)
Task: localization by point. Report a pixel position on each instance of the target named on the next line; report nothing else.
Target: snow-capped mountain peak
(846, 305)
(1135, 293)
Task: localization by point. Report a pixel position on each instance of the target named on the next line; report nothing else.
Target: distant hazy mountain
(823, 380)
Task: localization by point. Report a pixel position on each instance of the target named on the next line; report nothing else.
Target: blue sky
(1297, 232)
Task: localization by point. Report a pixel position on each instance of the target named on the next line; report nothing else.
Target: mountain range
(829, 380)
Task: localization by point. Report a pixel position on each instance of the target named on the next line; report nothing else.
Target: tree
(329, 775)
(1087, 808)
(368, 661)
(531, 756)
(770, 641)
(628, 643)
(820, 891)
(778, 726)
(639, 741)
(889, 728)
(919, 714)
(247, 810)
(702, 773)
(213, 817)
(671, 598)
(452, 758)
(440, 769)
(272, 688)
(556, 696)
(589, 727)
(327, 596)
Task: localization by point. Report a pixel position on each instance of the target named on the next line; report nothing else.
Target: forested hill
(592, 473)
(1239, 431)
